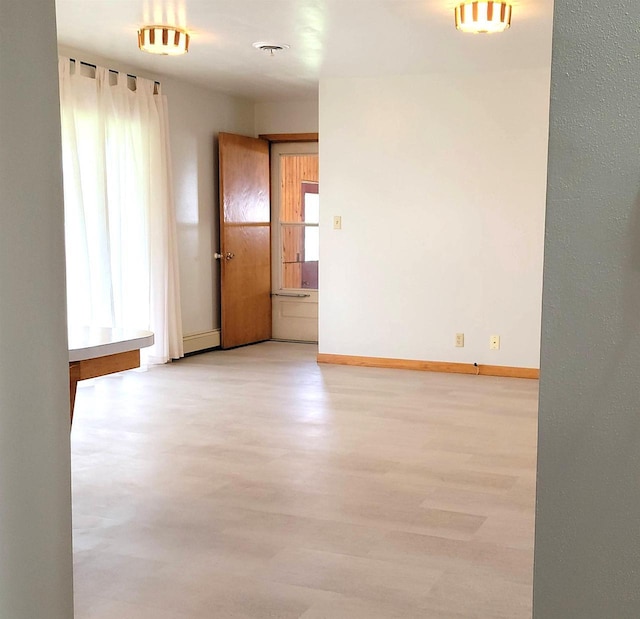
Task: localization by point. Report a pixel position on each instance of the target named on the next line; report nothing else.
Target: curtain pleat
(122, 258)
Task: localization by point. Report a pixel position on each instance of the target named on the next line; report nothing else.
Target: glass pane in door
(300, 252)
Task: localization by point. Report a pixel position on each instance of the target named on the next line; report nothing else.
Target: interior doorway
(295, 218)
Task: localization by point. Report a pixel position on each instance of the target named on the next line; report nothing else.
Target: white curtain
(122, 268)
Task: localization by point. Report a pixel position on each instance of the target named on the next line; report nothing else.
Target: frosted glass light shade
(483, 16)
(165, 40)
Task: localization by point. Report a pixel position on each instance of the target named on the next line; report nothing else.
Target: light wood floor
(255, 483)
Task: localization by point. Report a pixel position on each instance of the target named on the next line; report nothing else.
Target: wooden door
(245, 240)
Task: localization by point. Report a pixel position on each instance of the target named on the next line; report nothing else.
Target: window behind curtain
(120, 225)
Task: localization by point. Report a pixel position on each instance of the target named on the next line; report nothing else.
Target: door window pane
(299, 220)
(311, 244)
(310, 203)
(298, 175)
(300, 253)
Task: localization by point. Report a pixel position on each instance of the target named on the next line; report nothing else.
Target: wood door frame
(279, 138)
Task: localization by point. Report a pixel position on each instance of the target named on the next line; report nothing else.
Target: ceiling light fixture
(270, 48)
(165, 40)
(483, 17)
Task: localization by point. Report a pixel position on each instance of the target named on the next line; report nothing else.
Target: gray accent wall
(587, 555)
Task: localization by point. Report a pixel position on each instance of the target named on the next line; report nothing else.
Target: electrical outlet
(337, 222)
(494, 342)
(459, 340)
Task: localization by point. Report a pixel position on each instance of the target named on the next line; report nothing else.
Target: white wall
(287, 117)
(35, 460)
(440, 181)
(196, 116)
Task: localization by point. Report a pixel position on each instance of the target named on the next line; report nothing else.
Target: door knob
(230, 256)
(218, 256)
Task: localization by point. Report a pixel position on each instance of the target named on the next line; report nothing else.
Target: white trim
(201, 341)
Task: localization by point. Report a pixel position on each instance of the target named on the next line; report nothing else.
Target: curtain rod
(93, 66)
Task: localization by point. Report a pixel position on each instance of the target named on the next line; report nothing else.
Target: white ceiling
(328, 38)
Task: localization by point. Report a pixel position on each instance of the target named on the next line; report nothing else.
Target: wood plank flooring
(254, 483)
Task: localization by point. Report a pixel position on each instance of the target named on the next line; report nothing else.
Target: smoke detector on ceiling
(270, 48)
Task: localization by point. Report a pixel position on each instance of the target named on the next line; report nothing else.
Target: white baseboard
(201, 341)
